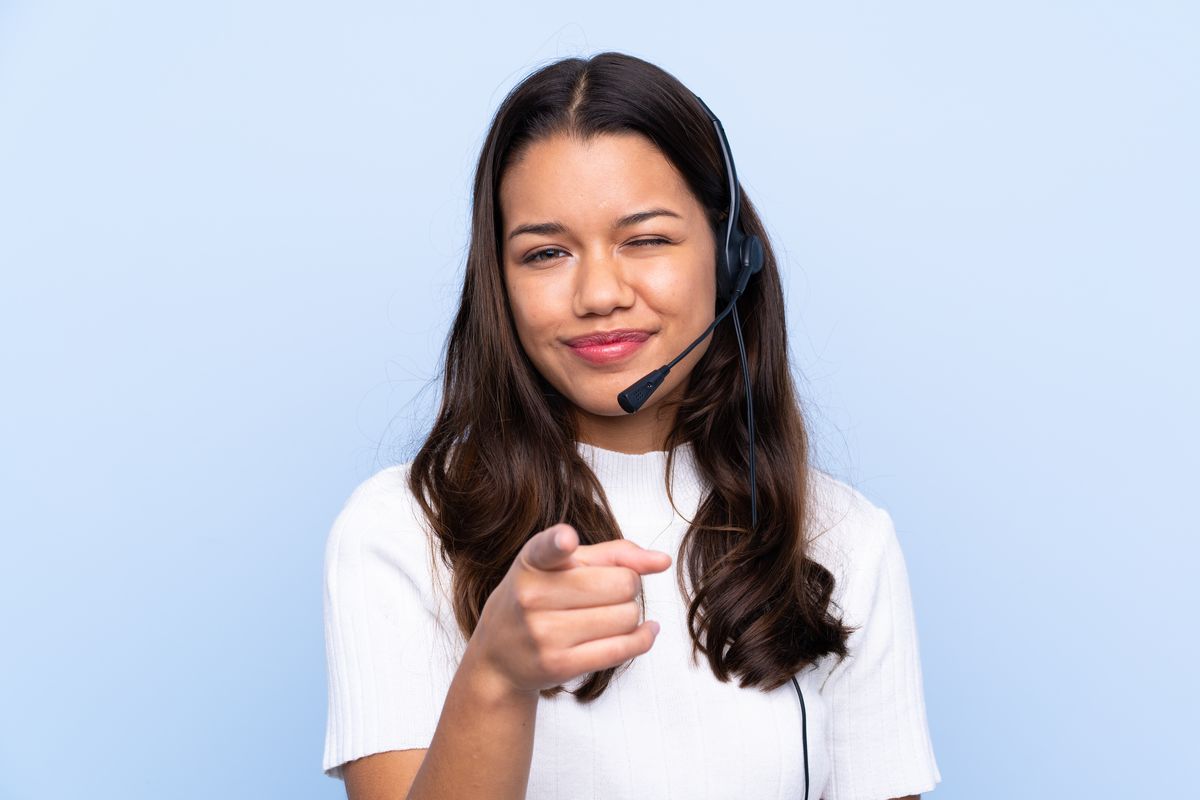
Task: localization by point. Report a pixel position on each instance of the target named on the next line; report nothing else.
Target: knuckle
(634, 585)
(528, 595)
(549, 663)
(537, 630)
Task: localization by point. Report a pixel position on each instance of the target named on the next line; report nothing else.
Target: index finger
(558, 548)
(623, 553)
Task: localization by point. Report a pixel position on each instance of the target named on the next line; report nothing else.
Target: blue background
(231, 239)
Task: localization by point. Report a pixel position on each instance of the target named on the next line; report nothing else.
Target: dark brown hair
(501, 461)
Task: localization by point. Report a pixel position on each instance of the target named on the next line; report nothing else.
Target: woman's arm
(482, 747)
(483, 744)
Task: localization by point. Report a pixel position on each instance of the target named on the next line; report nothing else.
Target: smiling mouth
(609, 337)
(608, 348)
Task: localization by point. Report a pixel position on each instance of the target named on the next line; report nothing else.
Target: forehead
(580, 183)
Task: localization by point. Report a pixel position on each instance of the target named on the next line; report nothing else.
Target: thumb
(551, 549)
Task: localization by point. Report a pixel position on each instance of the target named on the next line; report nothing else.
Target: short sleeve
(881, 746)
(389, 661)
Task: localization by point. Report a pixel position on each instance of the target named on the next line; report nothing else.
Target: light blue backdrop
(231, 236)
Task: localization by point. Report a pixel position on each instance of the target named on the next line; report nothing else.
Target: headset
(740, 256)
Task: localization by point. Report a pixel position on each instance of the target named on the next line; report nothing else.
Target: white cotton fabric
(665, 728)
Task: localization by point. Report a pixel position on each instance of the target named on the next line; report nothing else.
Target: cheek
(532, 311)
(682, 292)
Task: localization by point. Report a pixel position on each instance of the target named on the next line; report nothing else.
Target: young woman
(484, 603)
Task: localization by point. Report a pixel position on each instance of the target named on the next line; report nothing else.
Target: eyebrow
(550, 228)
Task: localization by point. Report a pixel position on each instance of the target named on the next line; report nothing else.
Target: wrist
(488, 684)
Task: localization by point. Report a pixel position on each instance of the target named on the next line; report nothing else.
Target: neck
(643, 432)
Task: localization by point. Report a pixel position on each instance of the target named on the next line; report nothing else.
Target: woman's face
(603, 237)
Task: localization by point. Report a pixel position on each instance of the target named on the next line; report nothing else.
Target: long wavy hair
(501, 460)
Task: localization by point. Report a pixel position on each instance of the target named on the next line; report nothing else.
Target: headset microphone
(636, 395)
(739, 257)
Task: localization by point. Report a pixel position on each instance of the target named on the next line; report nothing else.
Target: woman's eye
(547, 254)
(532, 257)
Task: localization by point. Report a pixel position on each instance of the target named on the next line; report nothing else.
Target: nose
(600, 286)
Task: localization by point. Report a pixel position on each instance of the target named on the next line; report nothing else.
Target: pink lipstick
(608, 347)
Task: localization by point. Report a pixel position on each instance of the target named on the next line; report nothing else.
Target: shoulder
(847, 533)
(380, 528)
(378, 503)
(879, 734)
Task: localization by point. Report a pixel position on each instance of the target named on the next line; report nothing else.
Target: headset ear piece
(750, 262)
(753, 255)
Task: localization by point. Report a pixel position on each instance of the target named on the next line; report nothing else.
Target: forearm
(483, 744)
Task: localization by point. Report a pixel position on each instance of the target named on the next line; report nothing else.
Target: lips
(609, 337)
(608, 347)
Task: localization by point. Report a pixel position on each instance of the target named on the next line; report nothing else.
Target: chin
(595, 393)
(600, 405)
(598, 396)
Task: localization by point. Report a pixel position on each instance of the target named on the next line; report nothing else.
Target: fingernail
(654, 627)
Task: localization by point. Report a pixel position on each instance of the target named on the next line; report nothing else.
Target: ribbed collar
(639, 476)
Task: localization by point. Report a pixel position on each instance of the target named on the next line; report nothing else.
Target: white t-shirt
(664, 728)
